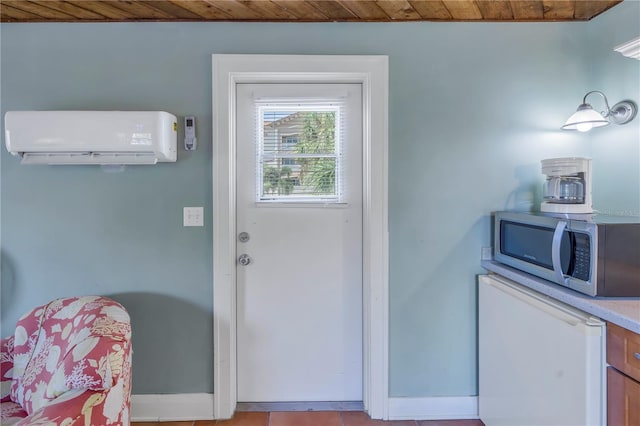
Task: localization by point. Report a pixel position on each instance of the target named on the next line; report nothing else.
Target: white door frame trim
(372, 73)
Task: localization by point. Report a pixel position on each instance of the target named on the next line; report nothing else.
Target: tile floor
(312, 418)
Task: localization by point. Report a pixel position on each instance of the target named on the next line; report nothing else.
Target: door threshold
(301, 406)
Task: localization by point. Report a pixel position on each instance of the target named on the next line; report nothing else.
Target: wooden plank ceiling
(300, 10)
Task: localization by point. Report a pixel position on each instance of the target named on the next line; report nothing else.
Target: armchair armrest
(6, 368)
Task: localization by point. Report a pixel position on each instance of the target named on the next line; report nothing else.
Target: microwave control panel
(582, 259)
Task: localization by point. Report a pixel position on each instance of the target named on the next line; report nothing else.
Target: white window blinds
(298, 151)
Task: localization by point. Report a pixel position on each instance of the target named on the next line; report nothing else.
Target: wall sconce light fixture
(586, 118)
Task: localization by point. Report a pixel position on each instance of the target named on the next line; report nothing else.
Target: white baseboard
(199, 406)
(173, 407)
(433, 408)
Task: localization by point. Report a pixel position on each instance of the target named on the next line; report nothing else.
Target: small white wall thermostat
(190, 133)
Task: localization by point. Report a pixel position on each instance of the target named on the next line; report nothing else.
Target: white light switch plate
(193, 216)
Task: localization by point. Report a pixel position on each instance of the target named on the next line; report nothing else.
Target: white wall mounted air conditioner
(91, 137)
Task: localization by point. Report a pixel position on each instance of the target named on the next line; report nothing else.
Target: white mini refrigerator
(541, 362)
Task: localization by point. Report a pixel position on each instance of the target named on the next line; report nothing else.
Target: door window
(298, 152)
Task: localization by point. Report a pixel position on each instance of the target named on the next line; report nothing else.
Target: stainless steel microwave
(594, 254)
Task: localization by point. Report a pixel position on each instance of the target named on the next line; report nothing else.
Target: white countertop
(622, 311)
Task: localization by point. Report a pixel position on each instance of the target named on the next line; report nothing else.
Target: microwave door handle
(555, 252)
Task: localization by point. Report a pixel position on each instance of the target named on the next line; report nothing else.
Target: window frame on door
(372, 73)
(299, 105)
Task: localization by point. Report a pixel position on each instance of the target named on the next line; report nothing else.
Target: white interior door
(299, 201)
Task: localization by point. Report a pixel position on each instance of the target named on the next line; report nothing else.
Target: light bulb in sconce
(586, 118)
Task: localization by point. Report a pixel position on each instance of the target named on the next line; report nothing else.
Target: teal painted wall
(616, 149)
(472, 110)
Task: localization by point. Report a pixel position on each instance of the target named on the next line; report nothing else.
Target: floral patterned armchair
(68, 363)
